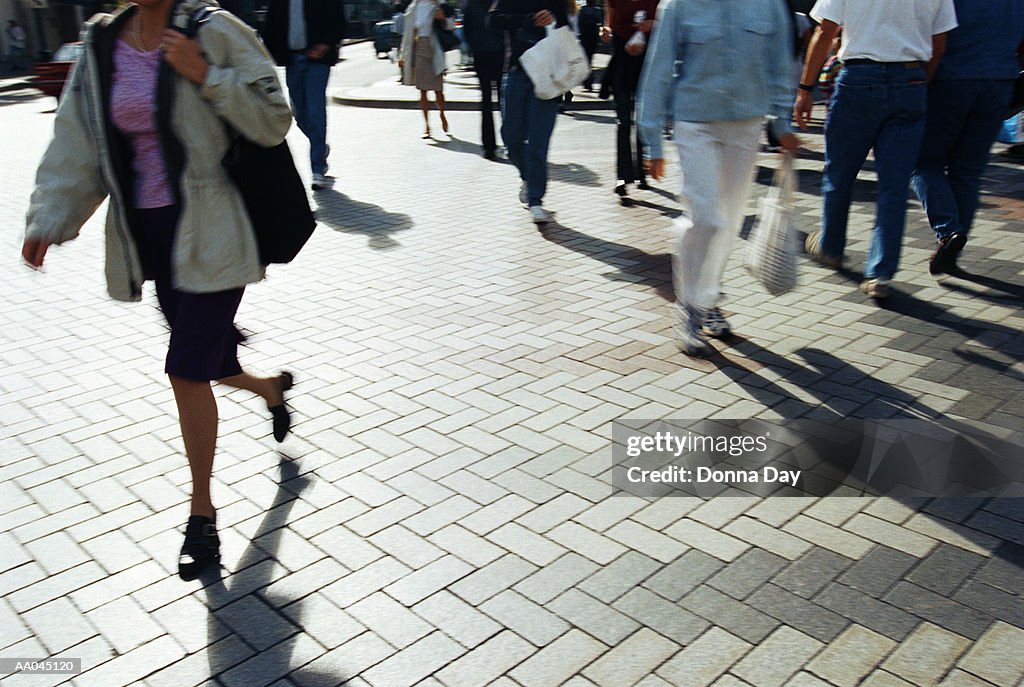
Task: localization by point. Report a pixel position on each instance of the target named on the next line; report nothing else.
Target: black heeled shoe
(622, 191)
(201, 548)
(281, 417)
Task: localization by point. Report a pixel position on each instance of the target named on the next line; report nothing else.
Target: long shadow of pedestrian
(573, 173)
(248, 624)
(634, 265)
(342, 213)
(1013, 293)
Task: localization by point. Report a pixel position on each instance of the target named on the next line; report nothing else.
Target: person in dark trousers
(488, 48)
(967, 101)
(526, 120)
(304, 37)
(590, 19)
(624, 73)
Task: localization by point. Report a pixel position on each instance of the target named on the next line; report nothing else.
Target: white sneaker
(688, 331)
(322, 182)
(875, 288)
(524, 194)
(540, 215)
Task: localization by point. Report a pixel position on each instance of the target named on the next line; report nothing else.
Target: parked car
(49, 77)
(385, 38)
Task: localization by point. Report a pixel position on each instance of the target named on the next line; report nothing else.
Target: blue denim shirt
(984, 44)
(716, 60)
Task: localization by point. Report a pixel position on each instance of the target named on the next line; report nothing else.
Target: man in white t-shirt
(889, 50)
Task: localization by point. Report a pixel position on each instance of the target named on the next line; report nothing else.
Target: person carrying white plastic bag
(718, 115)
(772, 244)
(556, 64)
(527, 119)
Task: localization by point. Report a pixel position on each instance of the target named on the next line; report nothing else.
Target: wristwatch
(806, 87)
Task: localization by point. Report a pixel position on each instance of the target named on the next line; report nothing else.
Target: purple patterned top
(133, 111)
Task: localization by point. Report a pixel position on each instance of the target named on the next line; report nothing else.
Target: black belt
(906, 65)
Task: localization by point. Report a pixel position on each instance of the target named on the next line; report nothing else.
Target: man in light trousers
(738, 68)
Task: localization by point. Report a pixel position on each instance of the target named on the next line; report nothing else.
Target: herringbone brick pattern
(441, 514)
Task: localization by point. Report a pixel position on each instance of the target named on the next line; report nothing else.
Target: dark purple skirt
(204, 339)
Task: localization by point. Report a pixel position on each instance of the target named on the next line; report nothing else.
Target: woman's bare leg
(197, 414)
(439, 96)
(425, 108)
(268, 388)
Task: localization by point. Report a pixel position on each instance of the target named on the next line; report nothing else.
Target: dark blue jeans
(880, 106)
(307, 88)
(963, 120)
(526, 126)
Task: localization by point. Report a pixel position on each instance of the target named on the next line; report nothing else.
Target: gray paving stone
(533, 547)
(995, 602)
(258, 624)
(390, 620)
(703, 661)
(457, 619)
(944, 612)
(995, 657)
(679, 578)
(810, 618)
(774, 661)
(851, 656)
(410, 665)
(739, 619)
(1005, 570)
(552, 580)
(664, 617)
(58, 625)
(877, 572)
(524, 617)
(483, 665)
(748, 572)
(558, 661)
(124, 624)
(867, 611)
(470, 547)
(593, 617)
(927, 655)
(420, 584)
(493, 578)
(806, 576)
(323, 621)
(596, 547)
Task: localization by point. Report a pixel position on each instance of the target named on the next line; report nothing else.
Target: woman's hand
(790, 143)
(33, 251)
(185, 56)
(543, 18)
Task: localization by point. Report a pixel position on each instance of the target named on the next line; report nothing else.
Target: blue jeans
(307, 88)
(526, 126)
(880, 106)
(963, 120)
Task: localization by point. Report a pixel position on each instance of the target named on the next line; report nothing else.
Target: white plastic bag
(772, 245)
(556, 63)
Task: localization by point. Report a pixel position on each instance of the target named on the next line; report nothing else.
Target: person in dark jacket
(527, 121)
(304, 36)
(590, 20)
(488, 48)
(967, 101)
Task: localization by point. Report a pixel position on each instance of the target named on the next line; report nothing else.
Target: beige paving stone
(851, 656)
(996, 656)
(703, 661)
(926, 655)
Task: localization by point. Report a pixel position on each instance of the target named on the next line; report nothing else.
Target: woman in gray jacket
(142, 122)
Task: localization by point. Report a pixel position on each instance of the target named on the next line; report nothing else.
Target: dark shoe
(943, 260)
(643, 185)
(201, 548)
(688, 332)
(622, 191)
(491, 155)
(282, 418)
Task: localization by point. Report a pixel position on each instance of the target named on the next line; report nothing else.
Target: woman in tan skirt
(421, 58)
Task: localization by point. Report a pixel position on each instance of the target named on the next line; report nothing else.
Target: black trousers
(624, 82)
(488, 67)
(589, 47)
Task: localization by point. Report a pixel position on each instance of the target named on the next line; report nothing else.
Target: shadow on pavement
(633, 265)
(342, 213)
(245, 613)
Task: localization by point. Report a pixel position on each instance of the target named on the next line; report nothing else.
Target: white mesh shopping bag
(772, 244)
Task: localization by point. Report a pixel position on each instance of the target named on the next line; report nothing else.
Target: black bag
(447, 37)
(270, 186)
(274, 196)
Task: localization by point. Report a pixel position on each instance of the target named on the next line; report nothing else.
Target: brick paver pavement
(441, 514)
